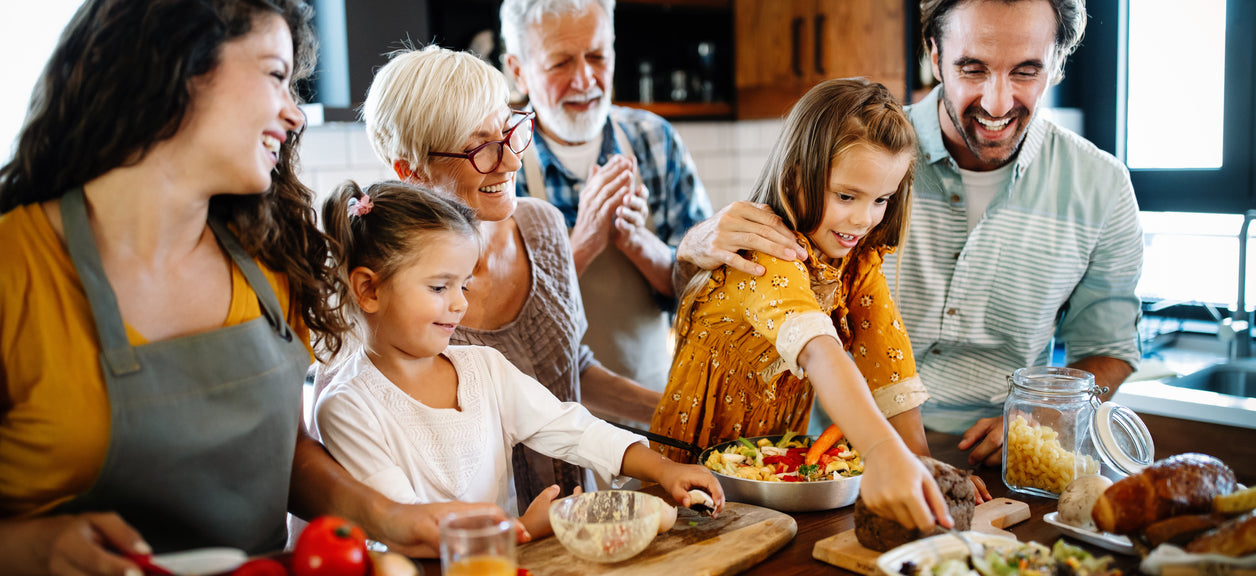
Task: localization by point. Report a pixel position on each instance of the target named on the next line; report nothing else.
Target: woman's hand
(71, 545)
(414, 529)
(896, 485)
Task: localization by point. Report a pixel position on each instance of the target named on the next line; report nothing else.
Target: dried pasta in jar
(1036, 459)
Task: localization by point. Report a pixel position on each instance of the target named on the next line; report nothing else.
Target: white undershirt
(577, 158)
(981, 187)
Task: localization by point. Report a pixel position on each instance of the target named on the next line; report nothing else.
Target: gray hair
(429, 99)
(517, 15)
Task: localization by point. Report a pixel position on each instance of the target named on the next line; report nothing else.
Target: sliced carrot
(826, 440)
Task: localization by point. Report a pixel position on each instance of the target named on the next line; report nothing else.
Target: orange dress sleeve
(781, 307)
(879, 342)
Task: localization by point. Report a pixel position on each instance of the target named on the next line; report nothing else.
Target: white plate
(1168, 555)
(1105, 540)
(937, 548)
(201, 561)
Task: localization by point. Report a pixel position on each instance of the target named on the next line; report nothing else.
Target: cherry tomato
(261, 567)
(330, 546)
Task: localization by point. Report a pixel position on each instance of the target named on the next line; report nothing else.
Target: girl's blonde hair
(386, 238)
(429, 100)
(832, 118)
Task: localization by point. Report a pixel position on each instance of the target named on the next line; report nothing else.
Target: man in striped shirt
(1020, 229)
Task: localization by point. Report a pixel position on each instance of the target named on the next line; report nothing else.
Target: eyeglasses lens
(487, 158)
(521, 136)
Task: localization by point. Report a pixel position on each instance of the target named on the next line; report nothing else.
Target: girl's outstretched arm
(895, 485)
(678, 479)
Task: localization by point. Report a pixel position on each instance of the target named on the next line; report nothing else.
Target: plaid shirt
(677, 198)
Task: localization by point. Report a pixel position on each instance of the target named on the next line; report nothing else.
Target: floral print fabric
(739, 335)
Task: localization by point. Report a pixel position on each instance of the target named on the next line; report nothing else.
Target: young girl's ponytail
(381, 228)
(337, 227)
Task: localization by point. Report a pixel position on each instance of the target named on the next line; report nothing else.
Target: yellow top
(54, 408)
(735, 371)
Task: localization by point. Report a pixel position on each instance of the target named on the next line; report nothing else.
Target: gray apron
(202, 427)
(627, 329)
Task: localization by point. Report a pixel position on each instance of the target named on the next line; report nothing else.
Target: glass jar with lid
(1055, 429)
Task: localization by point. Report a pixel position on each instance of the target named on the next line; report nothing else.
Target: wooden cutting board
(844, 550)
(741, 537)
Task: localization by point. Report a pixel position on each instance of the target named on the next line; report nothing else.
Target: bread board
(741, 537)
(844, 550)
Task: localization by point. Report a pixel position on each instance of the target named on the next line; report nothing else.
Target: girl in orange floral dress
(753, 352)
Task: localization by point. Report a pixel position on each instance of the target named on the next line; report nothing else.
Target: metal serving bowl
(785, 496)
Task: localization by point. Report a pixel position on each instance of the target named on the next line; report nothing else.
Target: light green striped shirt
(1061, 244)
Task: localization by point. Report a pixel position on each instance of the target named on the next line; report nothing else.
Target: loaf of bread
(882, 534)
(1178, 485)
(1236, 537)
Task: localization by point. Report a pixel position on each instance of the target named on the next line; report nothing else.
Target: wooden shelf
(673, 110)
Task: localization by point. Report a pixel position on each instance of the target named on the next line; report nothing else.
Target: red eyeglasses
(486, 157)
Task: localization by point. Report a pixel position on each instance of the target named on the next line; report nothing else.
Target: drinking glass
(477, 544)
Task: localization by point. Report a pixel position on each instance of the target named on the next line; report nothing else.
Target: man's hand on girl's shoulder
(742, 225)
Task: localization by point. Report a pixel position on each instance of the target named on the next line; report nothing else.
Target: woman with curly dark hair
(161, 266)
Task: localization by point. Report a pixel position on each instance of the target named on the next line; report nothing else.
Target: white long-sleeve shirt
(413, 453)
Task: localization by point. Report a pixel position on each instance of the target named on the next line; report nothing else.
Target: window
(1185, 121)
(1176, 71)
(1193, 258)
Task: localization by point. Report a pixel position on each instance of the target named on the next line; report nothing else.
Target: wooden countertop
(1235, 446)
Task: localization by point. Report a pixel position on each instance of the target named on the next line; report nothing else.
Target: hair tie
(360, 206)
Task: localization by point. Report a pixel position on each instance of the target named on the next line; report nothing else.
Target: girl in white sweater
(422, 421)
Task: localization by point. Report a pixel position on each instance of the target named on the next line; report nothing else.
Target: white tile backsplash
(713, 168)
(360, 151)
(705, 137)
(324, 147)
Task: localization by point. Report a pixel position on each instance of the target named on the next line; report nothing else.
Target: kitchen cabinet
(784, 47)
(681, 52)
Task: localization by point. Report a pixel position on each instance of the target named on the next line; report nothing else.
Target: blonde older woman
(440, 118)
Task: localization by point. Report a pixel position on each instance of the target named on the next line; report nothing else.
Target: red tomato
(330, 546)
(261, 567)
